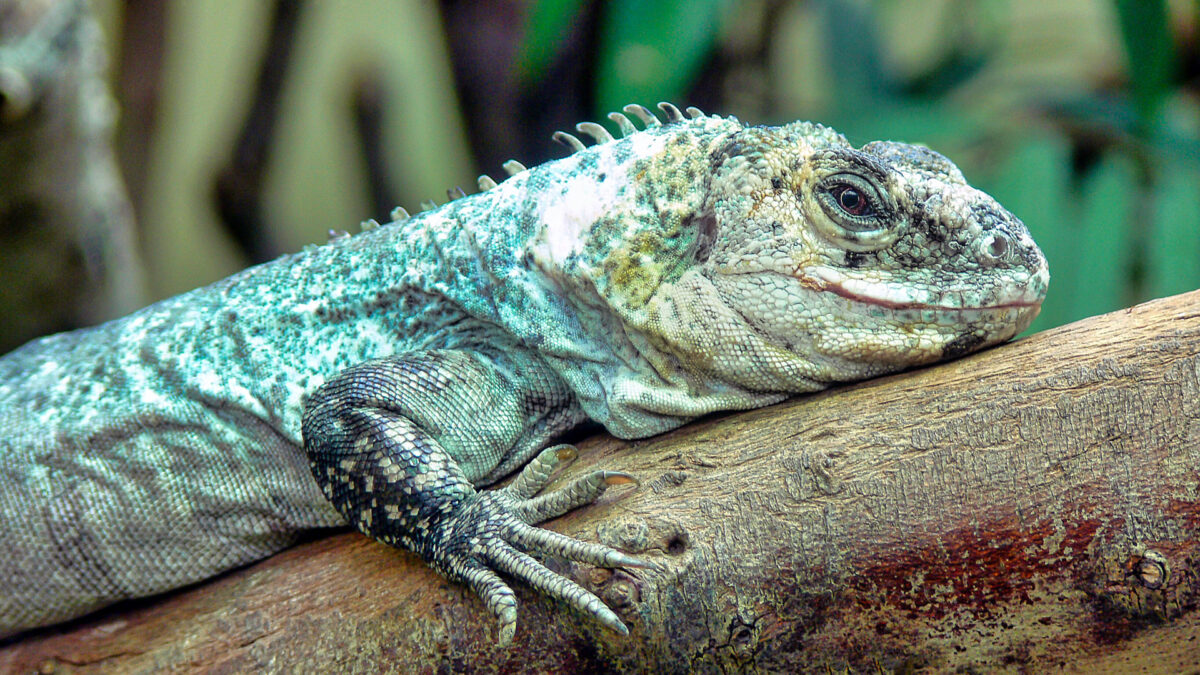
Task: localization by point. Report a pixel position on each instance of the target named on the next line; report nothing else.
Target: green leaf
(1150, 53)
(546, 22)
(652, 51)
(943, 128)
(1034, 182)
(1105, 246)
(855, 62)
(1173, 137)
(1173, 247)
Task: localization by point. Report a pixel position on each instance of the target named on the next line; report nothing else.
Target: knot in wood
(1153, 570)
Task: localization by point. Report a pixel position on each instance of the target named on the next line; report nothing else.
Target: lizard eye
(853, 202)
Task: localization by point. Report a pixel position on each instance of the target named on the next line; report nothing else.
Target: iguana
(691, 266)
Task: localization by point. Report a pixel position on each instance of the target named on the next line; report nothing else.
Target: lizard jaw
(882, 295)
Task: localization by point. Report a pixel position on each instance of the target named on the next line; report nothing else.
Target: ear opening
(705, 224)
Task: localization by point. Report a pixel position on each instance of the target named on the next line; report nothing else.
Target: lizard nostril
(996, 247)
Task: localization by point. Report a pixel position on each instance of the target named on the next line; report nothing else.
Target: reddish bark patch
(975, 567)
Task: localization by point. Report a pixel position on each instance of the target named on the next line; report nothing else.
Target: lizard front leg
(397, 443)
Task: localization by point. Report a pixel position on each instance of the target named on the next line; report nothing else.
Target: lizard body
(688, 267)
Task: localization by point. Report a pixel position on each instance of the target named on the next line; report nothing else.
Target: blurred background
(243, 130)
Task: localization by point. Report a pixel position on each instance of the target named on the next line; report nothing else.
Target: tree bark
(1031, 507)
(68, 256)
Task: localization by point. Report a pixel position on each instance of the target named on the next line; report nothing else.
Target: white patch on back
(567, 217)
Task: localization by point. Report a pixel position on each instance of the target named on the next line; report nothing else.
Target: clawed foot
(494, 531)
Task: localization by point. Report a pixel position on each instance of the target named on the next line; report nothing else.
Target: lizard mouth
(1017, 300)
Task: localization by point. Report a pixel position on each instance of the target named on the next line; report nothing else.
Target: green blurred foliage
(545, 24)
(1149, 50)
(653, 50)
(316, 180)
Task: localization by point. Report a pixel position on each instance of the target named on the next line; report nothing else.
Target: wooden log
(1035, 506)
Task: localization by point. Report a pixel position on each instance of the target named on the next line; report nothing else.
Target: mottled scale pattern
(694, 265)
(398, 442)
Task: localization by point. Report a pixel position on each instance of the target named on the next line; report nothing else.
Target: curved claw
(620, 478)
(583, 490)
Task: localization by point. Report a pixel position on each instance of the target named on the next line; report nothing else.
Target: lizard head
(817, 262)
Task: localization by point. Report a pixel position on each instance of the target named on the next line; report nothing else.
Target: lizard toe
(522, 566)
(537, 473)
(569, 548)
(583, 490)
(496, 595)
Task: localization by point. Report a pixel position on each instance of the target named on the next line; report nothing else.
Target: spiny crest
(592, 130)
(649, 120)
(601, 135)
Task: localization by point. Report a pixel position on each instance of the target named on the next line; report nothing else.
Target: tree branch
(1028, 507)
(68, 253)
